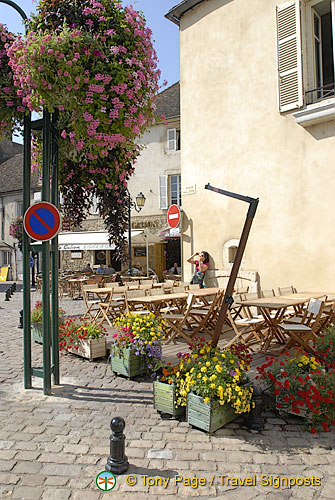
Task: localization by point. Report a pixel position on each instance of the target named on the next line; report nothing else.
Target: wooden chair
(175, 322)
(91, 302)
(178, 289)
(154, 291)
(110, 310)
(266, 294)
(137, 308)
(205, 318)
(111, 284)
(301, 333)
(286, 290)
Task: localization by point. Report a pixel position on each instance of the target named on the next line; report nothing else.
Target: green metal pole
(25, 259)
(54, 255)
(46, 257)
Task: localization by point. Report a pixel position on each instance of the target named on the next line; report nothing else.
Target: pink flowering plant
(93, 64)
(16, 229)
(11, 108)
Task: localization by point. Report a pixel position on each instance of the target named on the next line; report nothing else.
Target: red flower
(286, 384)
(313, 430)
(278, 405)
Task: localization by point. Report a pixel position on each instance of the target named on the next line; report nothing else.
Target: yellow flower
(204, 378)
(203, 369)
(218, 368)
(202, 351)
(208, 363)
(207, 400)
(212, 377)
(213, 386)
(215, 359)
(232, 361)
(199, 375)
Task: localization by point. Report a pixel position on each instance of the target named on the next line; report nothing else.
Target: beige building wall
(235, 138)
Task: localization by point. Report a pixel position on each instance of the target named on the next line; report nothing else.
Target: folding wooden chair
(111, 309)
(176, 322)
(301, 333)
(286, 290)
(91, 302)
(265, 294)
(205, 317)
(135, 308)
(113, 284)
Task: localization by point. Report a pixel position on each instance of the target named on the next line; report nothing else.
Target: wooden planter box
(37, 333)
(165, 399)
(125, 362)
(90, 348)
(208, 416)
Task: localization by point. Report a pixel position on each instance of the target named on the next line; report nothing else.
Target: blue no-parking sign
(31, 262)
(42, 221)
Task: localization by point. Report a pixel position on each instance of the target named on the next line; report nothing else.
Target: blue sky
(165, 33)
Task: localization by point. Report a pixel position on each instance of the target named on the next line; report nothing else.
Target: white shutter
(172, 139)
(163, 191)
(289, 56)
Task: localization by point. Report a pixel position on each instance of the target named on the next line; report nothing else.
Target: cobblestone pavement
(52, 447)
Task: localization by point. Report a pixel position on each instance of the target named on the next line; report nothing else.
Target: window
(173, 139)
(162, 191)
(175, 190)
(232, 254)
(322, 52)
(94, 207)
(6, 258)
(18, 209)
(316, 22)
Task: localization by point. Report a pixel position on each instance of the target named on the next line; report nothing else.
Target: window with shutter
(290, 87)
(163, 191)
(172, 139)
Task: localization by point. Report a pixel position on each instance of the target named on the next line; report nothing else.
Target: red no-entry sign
(173, 216)
(42, 221)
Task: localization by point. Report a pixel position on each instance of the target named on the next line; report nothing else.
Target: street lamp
(138, 205)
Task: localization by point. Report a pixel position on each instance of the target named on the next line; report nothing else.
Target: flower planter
(208, 416)
(125, 362)
(165, 399)
(37, 333)
(90, 348)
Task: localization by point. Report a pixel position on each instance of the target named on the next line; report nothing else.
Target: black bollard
(14, 287)
(7, 295)
(255, 420)
(11, 290)
(21, 319)
(117, 462)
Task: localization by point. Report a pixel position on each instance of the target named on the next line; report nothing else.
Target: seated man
(110, 270)
(87, 269)
(101, 269)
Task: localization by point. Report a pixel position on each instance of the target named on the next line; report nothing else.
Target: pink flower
(63, 134)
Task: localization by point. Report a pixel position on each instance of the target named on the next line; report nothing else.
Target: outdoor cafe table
(267, 306)
(155, 302)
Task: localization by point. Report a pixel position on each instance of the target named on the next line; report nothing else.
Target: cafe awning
(90, 240)
(170, 233)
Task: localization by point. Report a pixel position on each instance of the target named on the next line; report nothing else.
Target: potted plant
(82, 337)
(218, 389)
(36, 319)
(136, 348)
(301, 386)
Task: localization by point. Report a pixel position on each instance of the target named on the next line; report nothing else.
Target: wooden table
(155, 302)
(278, 304)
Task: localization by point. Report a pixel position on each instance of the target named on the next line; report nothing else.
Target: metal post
(238, 258)
(46, 258)
(117, 462)
(129, 236)
(54, 256)
(26, 253)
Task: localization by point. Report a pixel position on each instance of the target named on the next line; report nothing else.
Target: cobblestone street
(53, 447)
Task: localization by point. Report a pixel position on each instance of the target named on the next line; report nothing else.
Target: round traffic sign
(173, 216)
(42, 221)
